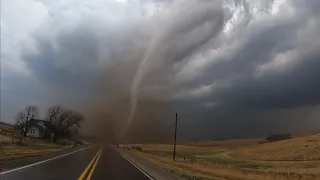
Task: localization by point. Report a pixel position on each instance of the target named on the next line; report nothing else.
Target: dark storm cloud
(296, 87)
(72, 61)
(270, 63)
(243, 122)
(240, 63)
(69, 64)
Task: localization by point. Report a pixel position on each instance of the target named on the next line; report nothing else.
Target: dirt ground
(296, 158)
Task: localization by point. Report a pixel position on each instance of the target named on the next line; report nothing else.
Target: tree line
(61, 121)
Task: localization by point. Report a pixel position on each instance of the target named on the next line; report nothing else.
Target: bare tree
(62, 120)
(23, 119)
(20, 124)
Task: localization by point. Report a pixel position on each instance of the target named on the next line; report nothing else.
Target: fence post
(306, 169)
(269, 169)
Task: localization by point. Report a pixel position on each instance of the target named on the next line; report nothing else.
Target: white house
(34, 131)
(39, 129)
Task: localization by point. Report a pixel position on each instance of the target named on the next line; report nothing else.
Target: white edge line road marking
(137, 166)
(23, 167)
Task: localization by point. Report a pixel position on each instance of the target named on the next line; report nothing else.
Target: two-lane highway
(91, 163)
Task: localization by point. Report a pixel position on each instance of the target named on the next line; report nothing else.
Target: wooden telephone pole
(175, 138)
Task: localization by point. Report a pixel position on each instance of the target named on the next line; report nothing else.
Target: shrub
(278, 137)
(138, 148)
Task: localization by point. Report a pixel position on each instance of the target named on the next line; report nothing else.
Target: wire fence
(294, 170)
(252, 167)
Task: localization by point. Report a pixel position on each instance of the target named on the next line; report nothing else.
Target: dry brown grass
(181, 149)
(14, 151)
(212, 171)
(204, 147)
(7, 130)
(229, 144)
(29, 147)
(297, 158)
(4, 139)
(300, 148)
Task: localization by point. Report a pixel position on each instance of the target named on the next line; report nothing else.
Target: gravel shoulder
(149, 168)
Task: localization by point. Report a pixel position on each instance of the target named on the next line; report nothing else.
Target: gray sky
(230, 68)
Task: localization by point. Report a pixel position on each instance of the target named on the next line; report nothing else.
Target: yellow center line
(88, 167)
(94, 166)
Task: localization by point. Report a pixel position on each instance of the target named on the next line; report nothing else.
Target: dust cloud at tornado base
(107, 116)
(133, 95)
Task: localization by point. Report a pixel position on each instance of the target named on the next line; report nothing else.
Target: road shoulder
(19, 162)
(151, 170)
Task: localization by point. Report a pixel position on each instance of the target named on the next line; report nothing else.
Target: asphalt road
(92, 163)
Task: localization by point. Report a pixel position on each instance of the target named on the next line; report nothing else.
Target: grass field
(296, 158)
(301, 148)
(28, 147)
(4, 139)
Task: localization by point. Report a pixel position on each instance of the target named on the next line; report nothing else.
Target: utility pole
(175, 138)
